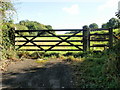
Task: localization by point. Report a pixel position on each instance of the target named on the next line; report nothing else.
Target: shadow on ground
(57, 75)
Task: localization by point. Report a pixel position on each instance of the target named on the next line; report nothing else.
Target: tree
(105, 25)
(34, 25)
(21, 27)
(85, 27)
(93, 26)
(23, 22)
(7, 10)
(49, 27)
(113, 23)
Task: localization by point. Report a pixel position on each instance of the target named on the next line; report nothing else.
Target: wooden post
(86, 42)
(88, 39)
(12, 36)
(110, 37)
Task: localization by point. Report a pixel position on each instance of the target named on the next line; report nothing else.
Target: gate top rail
(49, 30)
(60, 30)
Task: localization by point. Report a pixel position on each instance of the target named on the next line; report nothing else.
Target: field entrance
(74, 40)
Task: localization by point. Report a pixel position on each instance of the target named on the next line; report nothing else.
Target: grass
(99, 70)
(92, 73)
(41, 61)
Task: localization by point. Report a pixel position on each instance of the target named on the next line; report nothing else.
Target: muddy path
(29, 74)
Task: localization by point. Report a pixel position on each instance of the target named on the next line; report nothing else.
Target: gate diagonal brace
(63, 41)
(30, 41)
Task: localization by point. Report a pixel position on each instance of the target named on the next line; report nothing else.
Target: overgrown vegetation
(6, 43)
(99, 70)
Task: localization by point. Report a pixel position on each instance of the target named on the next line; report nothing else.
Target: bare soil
(29, 74)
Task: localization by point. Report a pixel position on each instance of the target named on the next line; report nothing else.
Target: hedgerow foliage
(8, 41)
(7, 11)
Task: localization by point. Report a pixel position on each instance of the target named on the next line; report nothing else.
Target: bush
(112, 65)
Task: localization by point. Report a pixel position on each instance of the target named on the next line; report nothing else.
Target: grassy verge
(99, 70)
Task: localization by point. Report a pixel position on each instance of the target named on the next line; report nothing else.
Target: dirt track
(29, 74)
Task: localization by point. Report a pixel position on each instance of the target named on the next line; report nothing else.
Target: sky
(66, 14)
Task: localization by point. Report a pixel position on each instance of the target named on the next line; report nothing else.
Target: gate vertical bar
(110, 37)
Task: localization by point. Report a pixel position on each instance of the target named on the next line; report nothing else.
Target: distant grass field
(63, 43)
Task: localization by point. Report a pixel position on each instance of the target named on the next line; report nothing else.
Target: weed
(23, 54)
(37, 55)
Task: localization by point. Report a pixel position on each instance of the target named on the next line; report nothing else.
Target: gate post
(110, 37)
(12, 36)
(86, 39)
